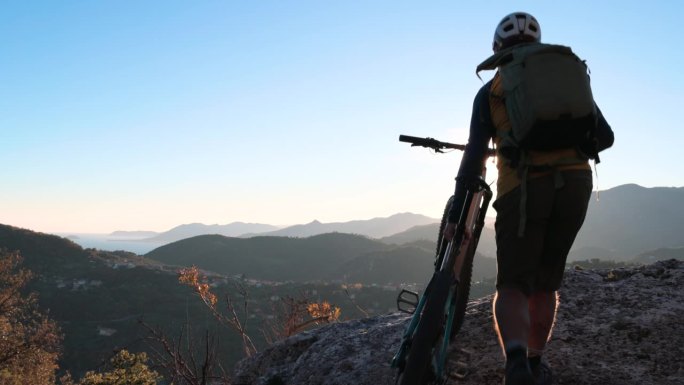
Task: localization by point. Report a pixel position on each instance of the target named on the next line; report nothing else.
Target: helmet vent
(516, 28)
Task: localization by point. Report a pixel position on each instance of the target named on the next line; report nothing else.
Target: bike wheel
(418, 369)
(441, 245)
(462, 293)
(460, 299)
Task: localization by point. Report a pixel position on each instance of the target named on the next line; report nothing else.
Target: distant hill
(374, 228)
(194, 229)
(326, 257)
(487, 245)
(630, 219)
(43, 253)
(661, 254)
(627, 220)
(89, 291)
(415, 233)
(406, 264)
(92, 294)
(268, 258)
(581, 253)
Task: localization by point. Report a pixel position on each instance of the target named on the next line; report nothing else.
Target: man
(532, 243)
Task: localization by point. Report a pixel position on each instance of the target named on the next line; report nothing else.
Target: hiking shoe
(542, 373)
(518, 373)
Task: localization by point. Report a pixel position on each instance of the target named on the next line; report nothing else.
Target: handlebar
(436, 144)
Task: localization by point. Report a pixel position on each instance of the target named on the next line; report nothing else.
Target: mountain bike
(439, 313)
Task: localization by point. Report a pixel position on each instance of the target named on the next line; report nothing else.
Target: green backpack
(548, 98)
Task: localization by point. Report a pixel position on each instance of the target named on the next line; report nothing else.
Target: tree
(191, 362)
(186, 361)
(294, 315)
(198, 282)
(29, 340)
(125, 369)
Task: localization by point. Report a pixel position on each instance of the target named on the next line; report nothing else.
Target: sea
(108, 242)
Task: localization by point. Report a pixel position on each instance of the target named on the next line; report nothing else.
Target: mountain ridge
(659, 210)
(375, 227)
(627, 220)
(630, 219)
(193, 229)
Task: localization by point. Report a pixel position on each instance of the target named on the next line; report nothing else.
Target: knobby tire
(463, 291)
(417, 370)
(431, 327)
(462, 294)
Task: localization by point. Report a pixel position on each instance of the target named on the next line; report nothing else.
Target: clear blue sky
(142, 115)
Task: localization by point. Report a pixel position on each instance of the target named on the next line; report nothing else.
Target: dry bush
(29, 340)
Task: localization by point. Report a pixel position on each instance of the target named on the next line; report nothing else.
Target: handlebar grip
(411, 139)
(437, 145)
(429, 143)
(425, 142)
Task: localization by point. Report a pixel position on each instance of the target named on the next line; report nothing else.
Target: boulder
(621, 326)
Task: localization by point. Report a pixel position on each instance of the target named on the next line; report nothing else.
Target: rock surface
(613, 327)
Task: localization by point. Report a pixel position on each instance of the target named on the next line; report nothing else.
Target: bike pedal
(407, 301)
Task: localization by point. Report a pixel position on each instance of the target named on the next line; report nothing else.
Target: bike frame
(458, 250)
(452, 261)
(452, 256)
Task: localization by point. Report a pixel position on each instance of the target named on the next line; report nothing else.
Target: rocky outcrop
(613, 327)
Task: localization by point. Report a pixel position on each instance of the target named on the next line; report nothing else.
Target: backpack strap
(523, 172)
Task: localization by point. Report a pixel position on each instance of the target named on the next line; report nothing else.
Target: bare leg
(542, 310)
(512, 318)
(512, 321)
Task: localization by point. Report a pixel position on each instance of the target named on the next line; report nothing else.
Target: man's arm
(475, 153)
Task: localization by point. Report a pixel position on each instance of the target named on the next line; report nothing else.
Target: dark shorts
(536, 261)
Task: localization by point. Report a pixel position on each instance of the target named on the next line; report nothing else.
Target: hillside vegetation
(268, 258)
(97, 298)
(327, 257)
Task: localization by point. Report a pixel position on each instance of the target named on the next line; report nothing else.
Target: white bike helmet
(518, 27)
